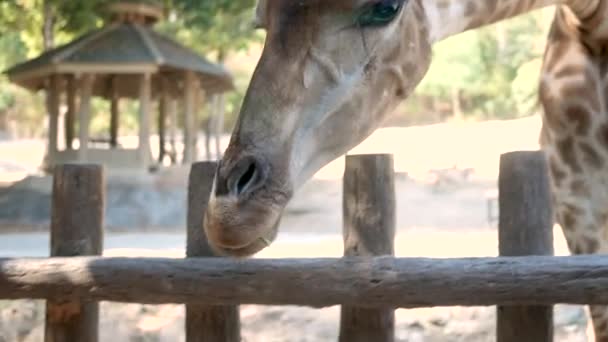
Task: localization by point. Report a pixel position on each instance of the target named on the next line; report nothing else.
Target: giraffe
(330, 73)
(574, 94)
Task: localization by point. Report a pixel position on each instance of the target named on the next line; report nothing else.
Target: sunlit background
(478, 101)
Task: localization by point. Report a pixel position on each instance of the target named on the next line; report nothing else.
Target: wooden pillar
(219, 124)
(162, 120)
(196, 119)
(53, 103)
(145, 94)
(114, 112)
(173, 122)
(76, 230)
(189, 129)
(205, 323)
(70, 116)
(211, 108)
(86, 86)
(214, 123)
(369, 230)
(200, 98)
(525, 228)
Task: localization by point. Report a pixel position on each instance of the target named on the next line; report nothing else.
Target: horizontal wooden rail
(367, 282)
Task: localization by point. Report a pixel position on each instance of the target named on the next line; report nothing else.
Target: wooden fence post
(76, 230)
(205, 323)
(369, 230)
(525, 228)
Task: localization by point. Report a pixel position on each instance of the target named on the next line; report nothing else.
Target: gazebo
(124, 59)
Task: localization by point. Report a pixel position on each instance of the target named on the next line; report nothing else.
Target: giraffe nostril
(246, 176)
(246, 179)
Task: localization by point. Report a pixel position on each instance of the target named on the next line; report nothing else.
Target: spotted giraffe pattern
(574, 95)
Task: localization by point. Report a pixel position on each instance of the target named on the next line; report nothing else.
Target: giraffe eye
(379, 13)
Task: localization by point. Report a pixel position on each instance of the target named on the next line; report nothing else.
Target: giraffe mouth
(244, 249)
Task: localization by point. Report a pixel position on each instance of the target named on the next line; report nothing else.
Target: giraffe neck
(450, 17)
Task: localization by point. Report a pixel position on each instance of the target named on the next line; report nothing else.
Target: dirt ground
(22, 321)
(434, 219)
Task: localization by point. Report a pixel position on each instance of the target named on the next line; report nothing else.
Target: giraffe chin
(241, 235)
(242, 252)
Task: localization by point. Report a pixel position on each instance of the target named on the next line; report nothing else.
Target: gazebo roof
(121, 48)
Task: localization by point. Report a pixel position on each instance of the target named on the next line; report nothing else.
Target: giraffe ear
(260, 14)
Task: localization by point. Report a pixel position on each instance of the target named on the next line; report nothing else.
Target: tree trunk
(48, 26)
(456, 104)
(501, 39)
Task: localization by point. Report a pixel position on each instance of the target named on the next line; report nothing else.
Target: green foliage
(213, 28)
(218, 26)
(524, 87)
(13, 49)
(495, 69)
(16, 105)
(69, 17)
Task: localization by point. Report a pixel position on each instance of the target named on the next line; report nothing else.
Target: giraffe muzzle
(245, 206)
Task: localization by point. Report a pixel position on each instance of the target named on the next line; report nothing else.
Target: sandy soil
(434, 220)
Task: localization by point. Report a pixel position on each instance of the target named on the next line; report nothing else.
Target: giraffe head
(329, 74)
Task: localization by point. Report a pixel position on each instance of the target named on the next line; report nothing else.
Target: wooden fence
(368, 281)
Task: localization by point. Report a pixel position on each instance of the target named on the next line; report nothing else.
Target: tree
(27, 28)
(215, 29)
(488, 73)
(42, 21)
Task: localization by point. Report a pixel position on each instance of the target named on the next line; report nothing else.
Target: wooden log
(525, 228)
(363, 282)
(205, 323)
(76, 230)
(368, 206)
